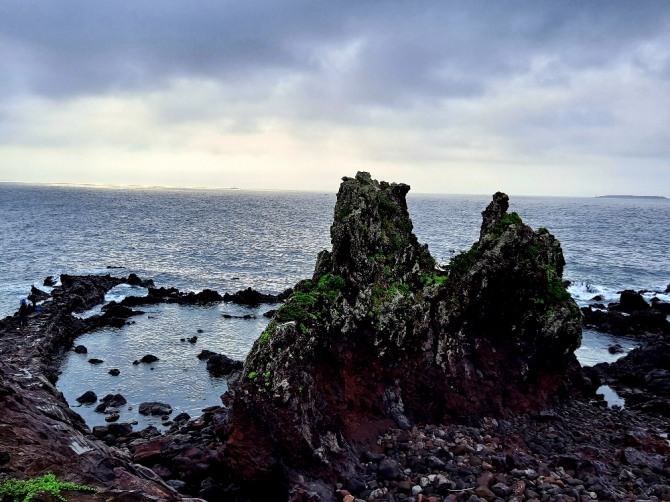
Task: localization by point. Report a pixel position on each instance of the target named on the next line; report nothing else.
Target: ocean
(232, 239)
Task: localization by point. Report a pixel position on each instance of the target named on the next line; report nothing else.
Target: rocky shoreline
(375, 380)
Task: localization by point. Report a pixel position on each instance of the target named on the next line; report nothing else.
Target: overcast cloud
(530, 97)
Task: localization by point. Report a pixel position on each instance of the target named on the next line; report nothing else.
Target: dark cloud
(409, 50)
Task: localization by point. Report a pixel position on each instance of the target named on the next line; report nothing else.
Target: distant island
(631, 197)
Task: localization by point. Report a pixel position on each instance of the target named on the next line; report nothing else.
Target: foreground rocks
(38, 431)
(381, 337)
(576, 452)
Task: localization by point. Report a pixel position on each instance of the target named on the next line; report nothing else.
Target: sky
(528, 97)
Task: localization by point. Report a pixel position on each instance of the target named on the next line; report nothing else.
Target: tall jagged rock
(380, 337)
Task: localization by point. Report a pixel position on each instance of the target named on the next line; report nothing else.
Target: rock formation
(380, 336)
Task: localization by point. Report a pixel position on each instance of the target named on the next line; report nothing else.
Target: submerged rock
(380, 335)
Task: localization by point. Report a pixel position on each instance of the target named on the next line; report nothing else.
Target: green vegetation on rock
(25, 490)
(462, 262)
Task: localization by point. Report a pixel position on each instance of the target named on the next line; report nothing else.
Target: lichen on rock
(381, 336)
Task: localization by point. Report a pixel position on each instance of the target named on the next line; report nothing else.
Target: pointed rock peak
(496, 218)
(372, 232)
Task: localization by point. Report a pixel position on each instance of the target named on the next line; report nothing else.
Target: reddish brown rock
(381, 336)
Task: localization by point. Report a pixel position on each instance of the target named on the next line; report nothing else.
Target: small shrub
(24, 490)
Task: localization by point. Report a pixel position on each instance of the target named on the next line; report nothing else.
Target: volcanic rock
(252, 297)
(88, 397)
(149, 358)
(222, 365)
(381, 334)
(154, 408)
(630, 301)
(80, 349)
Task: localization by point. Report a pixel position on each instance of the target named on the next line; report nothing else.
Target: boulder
(49, 281)
(149, 358)
(205, 354)
(80, 349)
(94, 360)
(88, 397)
(154, 408)
(381, 336)
(222, 365)
(631, 301)
(661, 306)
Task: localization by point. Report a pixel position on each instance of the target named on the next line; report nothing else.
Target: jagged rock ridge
(380, 336)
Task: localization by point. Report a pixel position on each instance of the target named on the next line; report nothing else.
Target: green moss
(387, 205)
(556, 290)
(342, 212)
(510, 219)
(434, 278)
(542, 231)
(24, 490)
(383, 292)
(506, 220)
(252, 375)
(462, 262)
(297, 308)
(264, 337)
(330, 285)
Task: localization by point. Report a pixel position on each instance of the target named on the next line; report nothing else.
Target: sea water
(232, 239)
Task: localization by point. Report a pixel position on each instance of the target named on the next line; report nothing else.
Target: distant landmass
(632, 197)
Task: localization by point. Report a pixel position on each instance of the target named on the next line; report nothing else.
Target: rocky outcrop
(380, 336)
(252, 297)
(631, 316)
(641, 378)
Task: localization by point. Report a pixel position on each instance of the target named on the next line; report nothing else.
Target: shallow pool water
(178, 378)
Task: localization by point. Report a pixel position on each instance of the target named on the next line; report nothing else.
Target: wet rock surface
(38, 431)
(631, 316)
(641, 378)
(380, 337)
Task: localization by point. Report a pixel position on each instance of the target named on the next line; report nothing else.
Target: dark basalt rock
(639, 323)
(642, 377)
(37, 295)
(380, 334)
(222, 365)
(630, 301)
(661, 306)
(88, 397)
(134, 280)
(252, 297)
(149, 358)
(50, 281)
(206, 354)
(80, 349)
(154, 408)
